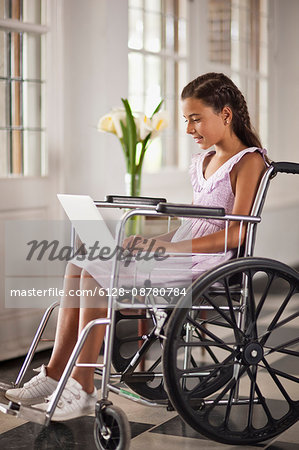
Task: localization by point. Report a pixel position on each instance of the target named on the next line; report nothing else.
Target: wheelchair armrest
(183, 210)
(152, 201)
(285, 167)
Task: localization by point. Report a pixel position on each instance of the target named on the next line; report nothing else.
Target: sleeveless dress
(174, 271)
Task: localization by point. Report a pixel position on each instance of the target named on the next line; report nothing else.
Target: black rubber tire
(252, 349)
(120, 432)
(124, 349)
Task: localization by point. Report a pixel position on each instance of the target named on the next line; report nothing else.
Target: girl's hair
(217, 91)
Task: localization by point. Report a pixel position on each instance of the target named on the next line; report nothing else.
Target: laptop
(87, 220)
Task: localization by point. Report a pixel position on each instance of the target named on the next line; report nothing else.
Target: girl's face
(205, 126)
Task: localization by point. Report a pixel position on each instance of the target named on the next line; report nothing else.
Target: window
(22, 87)
(158, 69)
(238, 43)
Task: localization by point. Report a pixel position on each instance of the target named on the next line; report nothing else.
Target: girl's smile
(205, 126)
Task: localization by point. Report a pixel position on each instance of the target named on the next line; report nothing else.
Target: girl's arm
(245, 179)
(165, 237)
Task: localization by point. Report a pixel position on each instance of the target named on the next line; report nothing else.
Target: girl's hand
(138, 243)
(128, 242)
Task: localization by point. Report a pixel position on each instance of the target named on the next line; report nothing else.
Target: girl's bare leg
(92, 307)
(67, 324)
(74, 314)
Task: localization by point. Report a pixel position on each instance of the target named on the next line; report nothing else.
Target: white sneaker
(74, 402)
(34, 391)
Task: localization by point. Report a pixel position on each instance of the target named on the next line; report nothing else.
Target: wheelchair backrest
(257, 208)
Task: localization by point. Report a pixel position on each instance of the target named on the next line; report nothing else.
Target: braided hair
(217, 91)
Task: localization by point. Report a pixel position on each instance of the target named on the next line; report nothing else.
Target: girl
(226, 176)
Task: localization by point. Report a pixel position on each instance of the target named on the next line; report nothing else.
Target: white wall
(95, 78)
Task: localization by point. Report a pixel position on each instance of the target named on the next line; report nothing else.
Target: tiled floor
(152, 428)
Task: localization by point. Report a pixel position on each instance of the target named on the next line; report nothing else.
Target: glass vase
(132, 186)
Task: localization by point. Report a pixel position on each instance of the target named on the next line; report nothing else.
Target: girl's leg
(67, 324)
(44, 384)
(92, 307)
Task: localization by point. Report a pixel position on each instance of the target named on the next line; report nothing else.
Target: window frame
(13, 27)
(174, 154)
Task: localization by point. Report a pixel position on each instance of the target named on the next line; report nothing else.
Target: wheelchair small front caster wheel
(111, 429)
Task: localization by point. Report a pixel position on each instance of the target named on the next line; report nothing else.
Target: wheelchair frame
(146, 207)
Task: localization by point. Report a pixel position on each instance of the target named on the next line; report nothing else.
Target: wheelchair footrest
(24, 412)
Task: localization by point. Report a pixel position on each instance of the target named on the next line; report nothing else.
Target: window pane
(15, 92)
(182, 37)
(4, 139)
(32, 108)
(136, 102)
(136, 75)
(183, 9)
(152, 41)
(164, 28)
(3, 102)
(153, 156)
(182, 75)
(3, 54)
(263, 111)
(17, 152)
(31, 11)
(135, 29)
(32, 153)
(220, 31)
(153, 5)
(169, 6)
(152, 83)
(32, 56)
(169, 33)
(2, 9)
(170, 85)
(135, 3)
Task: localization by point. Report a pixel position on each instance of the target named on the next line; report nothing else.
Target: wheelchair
(227, 350)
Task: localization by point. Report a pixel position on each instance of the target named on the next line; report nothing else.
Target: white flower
(159, 122)
(111, 122)
(143, 126)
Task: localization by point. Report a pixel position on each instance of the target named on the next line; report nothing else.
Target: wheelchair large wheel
(249, 331)
(128, 340)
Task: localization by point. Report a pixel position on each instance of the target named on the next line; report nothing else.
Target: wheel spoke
(251, 326)
(208, 332)
(208, 349)
(277, 316)
(265, 295)
(286, 320)
(230, 385)
(223, 315)
(284, 375)
(261, 398)
(229, 405)
(251, 397)
(226, 363)
(277, 382)
(281, 348)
